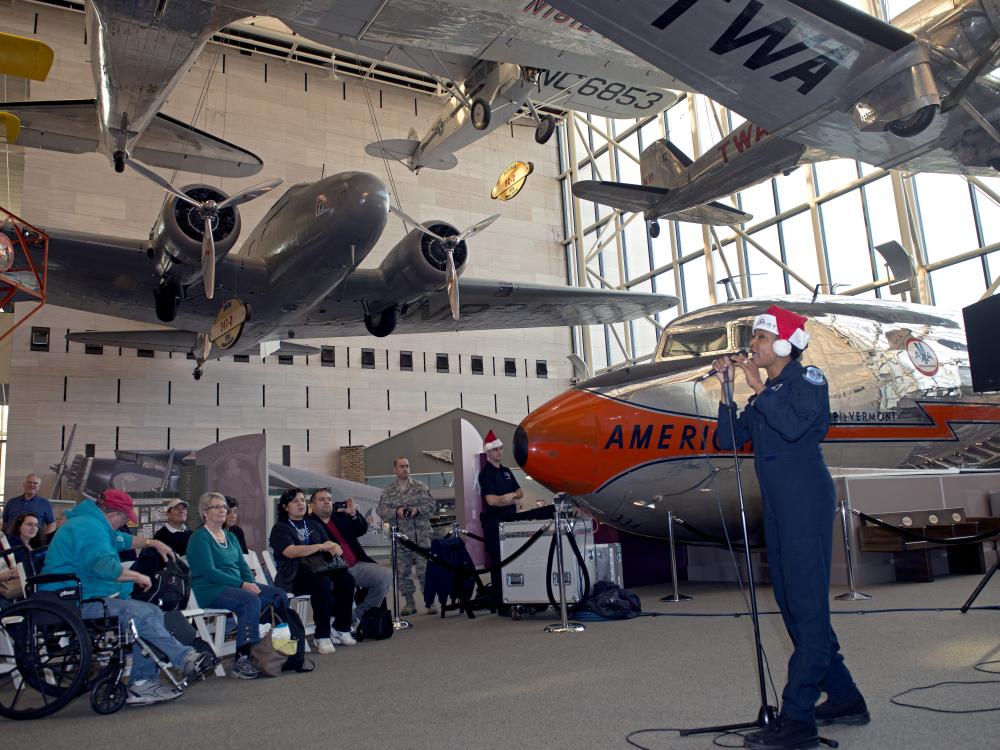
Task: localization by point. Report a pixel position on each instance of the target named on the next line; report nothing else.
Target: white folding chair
(258, 570)
(201, 618)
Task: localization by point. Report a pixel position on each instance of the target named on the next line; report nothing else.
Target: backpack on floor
(375, 624)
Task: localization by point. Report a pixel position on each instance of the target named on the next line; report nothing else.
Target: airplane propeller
(449, 244)
(209, 211)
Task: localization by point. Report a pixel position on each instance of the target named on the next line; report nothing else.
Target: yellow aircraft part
(27, 58)
(12, 126)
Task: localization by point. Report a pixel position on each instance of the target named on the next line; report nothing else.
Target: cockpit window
(694, 342)
(744, 334)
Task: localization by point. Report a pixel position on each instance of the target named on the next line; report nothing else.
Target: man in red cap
(787, 418)
(500, 492)
(87, 546)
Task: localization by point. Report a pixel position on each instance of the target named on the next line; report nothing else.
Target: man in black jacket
(345, 525)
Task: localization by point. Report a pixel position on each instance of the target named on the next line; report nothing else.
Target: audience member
(344, 525)
(175, 532)
(87, 546)
(26, 543)
(231, 525)
(408, 504)
(221, 579)
(295, 537)
(30, 502)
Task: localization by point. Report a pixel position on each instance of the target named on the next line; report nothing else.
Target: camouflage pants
(407, 560)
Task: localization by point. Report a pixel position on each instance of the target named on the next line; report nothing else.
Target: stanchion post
(397, 622)
(852, 595)
(676, 596)
(565, 626)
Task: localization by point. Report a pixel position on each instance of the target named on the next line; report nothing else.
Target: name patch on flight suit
(814, 375)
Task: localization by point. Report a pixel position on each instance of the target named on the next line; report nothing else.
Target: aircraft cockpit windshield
(693, 342)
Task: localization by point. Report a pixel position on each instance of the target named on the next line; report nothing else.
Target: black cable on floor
(946, 710)
(715, 740)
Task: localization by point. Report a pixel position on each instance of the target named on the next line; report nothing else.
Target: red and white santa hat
(787, 326)
(491, 441)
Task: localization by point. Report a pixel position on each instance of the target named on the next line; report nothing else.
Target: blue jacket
(790, 417)
(88, 547)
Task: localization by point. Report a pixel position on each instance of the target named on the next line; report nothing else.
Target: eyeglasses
(217, 507)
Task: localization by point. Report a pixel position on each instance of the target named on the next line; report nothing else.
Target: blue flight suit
(786, 422)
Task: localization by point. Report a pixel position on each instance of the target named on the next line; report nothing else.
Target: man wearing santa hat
(787, 419)
(500, 492)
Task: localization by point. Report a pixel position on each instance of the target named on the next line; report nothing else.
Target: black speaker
(981, 322)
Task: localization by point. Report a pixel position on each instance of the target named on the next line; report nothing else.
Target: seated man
(175, 532)
(87, 546)
(345, 526)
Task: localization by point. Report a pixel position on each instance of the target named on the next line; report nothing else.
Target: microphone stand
(766, 715)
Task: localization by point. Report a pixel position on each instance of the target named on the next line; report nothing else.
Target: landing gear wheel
(381, 324)
(165, 298)
(480, 113)
(914, 124)
(197, 373)
(544, 130)
(108, 695)
(654, 229)
(119, 160)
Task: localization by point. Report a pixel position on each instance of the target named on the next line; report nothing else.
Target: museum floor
(495, 683)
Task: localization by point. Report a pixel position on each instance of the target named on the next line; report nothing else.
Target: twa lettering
(765, 45)
(743, 139)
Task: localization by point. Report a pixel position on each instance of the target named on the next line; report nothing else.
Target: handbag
(270, 654)
(322, 563)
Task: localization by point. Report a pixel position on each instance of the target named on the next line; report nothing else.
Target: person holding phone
(345, 525)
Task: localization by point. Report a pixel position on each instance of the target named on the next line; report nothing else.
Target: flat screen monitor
(982, 321)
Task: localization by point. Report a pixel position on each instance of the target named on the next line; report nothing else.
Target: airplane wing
(158, 340)
(623, 195)
(782, 64)
(485, 305)
(715, 213)
(71, 126)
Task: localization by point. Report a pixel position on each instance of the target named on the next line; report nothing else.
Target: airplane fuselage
(634, 443)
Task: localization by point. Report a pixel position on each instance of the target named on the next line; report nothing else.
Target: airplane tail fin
(403, 150)
(413, 135)
(663, 165)
(715, 213)
(71, 126)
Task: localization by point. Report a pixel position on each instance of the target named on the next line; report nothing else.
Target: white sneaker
(342, 638)
(325, 646)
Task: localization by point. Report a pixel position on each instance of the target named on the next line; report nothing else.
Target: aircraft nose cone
(520, 446)
(556, 444)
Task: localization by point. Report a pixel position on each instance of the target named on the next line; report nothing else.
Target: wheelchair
(50, 653)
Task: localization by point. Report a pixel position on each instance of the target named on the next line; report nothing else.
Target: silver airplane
(492, 96)
(143, 48)
(920, 93)
(299, 274)
(631, 444)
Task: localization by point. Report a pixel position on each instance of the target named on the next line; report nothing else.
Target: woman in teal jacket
(221, 579)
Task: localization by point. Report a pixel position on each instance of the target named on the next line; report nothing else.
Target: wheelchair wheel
(108, 695)
(44, 658)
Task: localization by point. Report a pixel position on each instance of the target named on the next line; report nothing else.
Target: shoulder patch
(814, 375)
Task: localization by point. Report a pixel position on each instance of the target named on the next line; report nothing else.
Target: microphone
(713, 371)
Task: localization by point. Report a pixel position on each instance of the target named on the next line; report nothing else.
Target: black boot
(786, 734)
(854, 712)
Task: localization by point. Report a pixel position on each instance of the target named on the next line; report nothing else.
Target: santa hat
(787, 326)
(491, 441)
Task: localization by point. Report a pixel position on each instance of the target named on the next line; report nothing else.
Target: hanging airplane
(814, 80)
(298, 273)
(142, 51)
(634, 443)
(492, 96)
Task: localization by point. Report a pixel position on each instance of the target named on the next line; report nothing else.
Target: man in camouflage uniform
(409, 504)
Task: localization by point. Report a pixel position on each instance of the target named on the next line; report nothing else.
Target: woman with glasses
(294, 537)
(221, 579)
(26, 543)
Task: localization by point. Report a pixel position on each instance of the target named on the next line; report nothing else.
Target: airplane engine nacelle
(904, 105)
(177, 235)
(418, 263)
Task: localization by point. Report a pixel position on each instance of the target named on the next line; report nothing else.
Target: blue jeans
(148, 620)
(247, 608)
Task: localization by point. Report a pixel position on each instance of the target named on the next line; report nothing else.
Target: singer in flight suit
(787, 419)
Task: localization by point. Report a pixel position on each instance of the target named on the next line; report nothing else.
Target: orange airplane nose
(557, 443)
